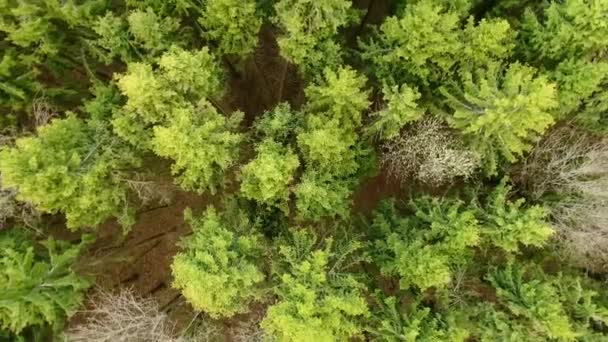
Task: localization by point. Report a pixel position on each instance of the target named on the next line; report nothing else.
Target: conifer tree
(421, 250)
(569, 41)
(309, 29)
(38, 290)
(218, 270)
(267, 178)
(508, 224)
(318, 300)
(232, 24)
(73, 167)
(501, 112)
(168, 111)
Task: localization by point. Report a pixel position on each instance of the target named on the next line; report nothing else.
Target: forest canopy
(300, 170)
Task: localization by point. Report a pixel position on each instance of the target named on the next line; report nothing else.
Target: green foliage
(493, 325)
(41, 43)
(194, 73)
(574, 28)
(266, 179)
(218, 269)
(393, 322)
(418, 46)
(569, 41)
(201, 143)
(328, 148)
(167, 111)
(319, 197)
(534, 300)
(233, 24)
(150, 31)
(501, 114)
(421, 250)
(309, 29)
(581, 304)
(318, 300)
(401, 109)
(72, 166)
(507, 224)
(425, 42)
(339, 96)
(278, 124)
(329, 144)
(38, 290)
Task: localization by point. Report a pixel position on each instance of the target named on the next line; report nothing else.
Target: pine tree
(73, 167)
(422, 250)
(218, 269)
(401, 109)
(569, 41)
(38, 290)
(508, 224)
(309, 29)
(266, 179)
(168, 111)
(534, 300)
(318, 300)
(232, 24)
(394, 322)
(501, 113)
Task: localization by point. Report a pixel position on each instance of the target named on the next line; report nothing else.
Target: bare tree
(427, 152)
(569, 171)
(122, 317)
(43, 112)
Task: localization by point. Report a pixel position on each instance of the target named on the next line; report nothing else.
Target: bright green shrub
(393, 322)
(146, 97)
(218, 272)
(74, 167)
(534, 300)
(151, 94)
(232, 24)
(201, 143)
(329, 144)
(38, 290)
(486, 41)
(401, 109)
(507, 224)
(266, 179)
(318, 300)
(309, 29)
(501, 114)
(421, 250)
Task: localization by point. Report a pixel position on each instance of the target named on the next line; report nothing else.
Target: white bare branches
(122, 317)
(428, 153)
(569, 170)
